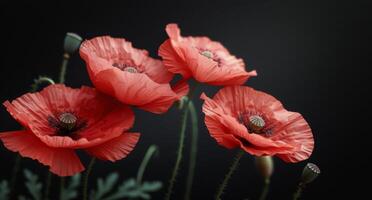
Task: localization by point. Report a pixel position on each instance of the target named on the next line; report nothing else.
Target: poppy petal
(107, 128)
(115, 149)
(63, 162)
(136, 89)
(172, 60)
(298, 133)
(181, 88)
(156, 71)
(219, 124)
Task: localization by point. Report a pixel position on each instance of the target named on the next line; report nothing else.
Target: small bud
(310, 172)
(265, 166)
(71, 43)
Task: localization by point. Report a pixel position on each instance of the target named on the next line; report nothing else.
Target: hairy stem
(232, 169)
(265, 190)
(298, 192)
(150, 152)
(179, 151)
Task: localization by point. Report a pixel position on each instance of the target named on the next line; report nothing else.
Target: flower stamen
(207, 54)
(125, 67)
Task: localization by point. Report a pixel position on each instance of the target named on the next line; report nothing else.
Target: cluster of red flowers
(59, 120)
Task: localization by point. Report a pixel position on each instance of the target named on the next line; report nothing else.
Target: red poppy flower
(129, 74)
(205, 60)
(239, 116)
(59, 120)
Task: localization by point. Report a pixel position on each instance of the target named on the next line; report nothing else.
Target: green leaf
(4, 190)
(151, 186)
(70, 192)
(33, 186)
(105, 186)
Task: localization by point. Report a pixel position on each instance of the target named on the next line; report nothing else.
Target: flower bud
(265, 166)
(71, 43)
(310, 172)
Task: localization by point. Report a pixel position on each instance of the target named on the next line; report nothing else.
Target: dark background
(311, 55)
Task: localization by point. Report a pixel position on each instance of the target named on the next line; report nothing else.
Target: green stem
(39, 81)
(47, 185)
(86, 178)
(265, 190)
(13, 180)
(150, 152)
(179, 151)
(62, 188)
(298, 192)
(62, 73)
(193, 149)
(233, 167)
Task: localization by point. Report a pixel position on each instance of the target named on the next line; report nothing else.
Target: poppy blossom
(241, 117)
(201, 58)
(129, 74)
(60, 120)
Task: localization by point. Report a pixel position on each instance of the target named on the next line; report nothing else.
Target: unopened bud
(265, 166)
(71, 43)
(310, 172)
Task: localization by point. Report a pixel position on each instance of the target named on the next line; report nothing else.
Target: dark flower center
(67, 120)
(126, 67)
(255, 122)
(210, 55)
(66, 124)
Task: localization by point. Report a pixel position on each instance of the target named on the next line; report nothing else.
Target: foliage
(71, 192)
(33, 185)
(4, 190)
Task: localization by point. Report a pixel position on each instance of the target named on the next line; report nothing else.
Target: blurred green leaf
(4, 190)
(33, 186)
(151, 186)
(70, 192)
(105, 186)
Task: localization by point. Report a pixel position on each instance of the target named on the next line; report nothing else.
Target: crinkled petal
(115, 149)
(63, 162)
(155, 69)
(173, 61)
(219, 125)
(296, 131)
(136, 89)
(107, 128)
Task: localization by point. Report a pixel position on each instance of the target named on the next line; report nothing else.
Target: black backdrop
(312, 55)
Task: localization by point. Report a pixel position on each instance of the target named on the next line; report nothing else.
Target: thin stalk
(86, 178)
(179, 151)
(62, 73)
(62, 187)
(193, 149)
(298, 192)
(13, 180)
(265, 190)
(232, 169)
(150, 152)
(48, 181)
